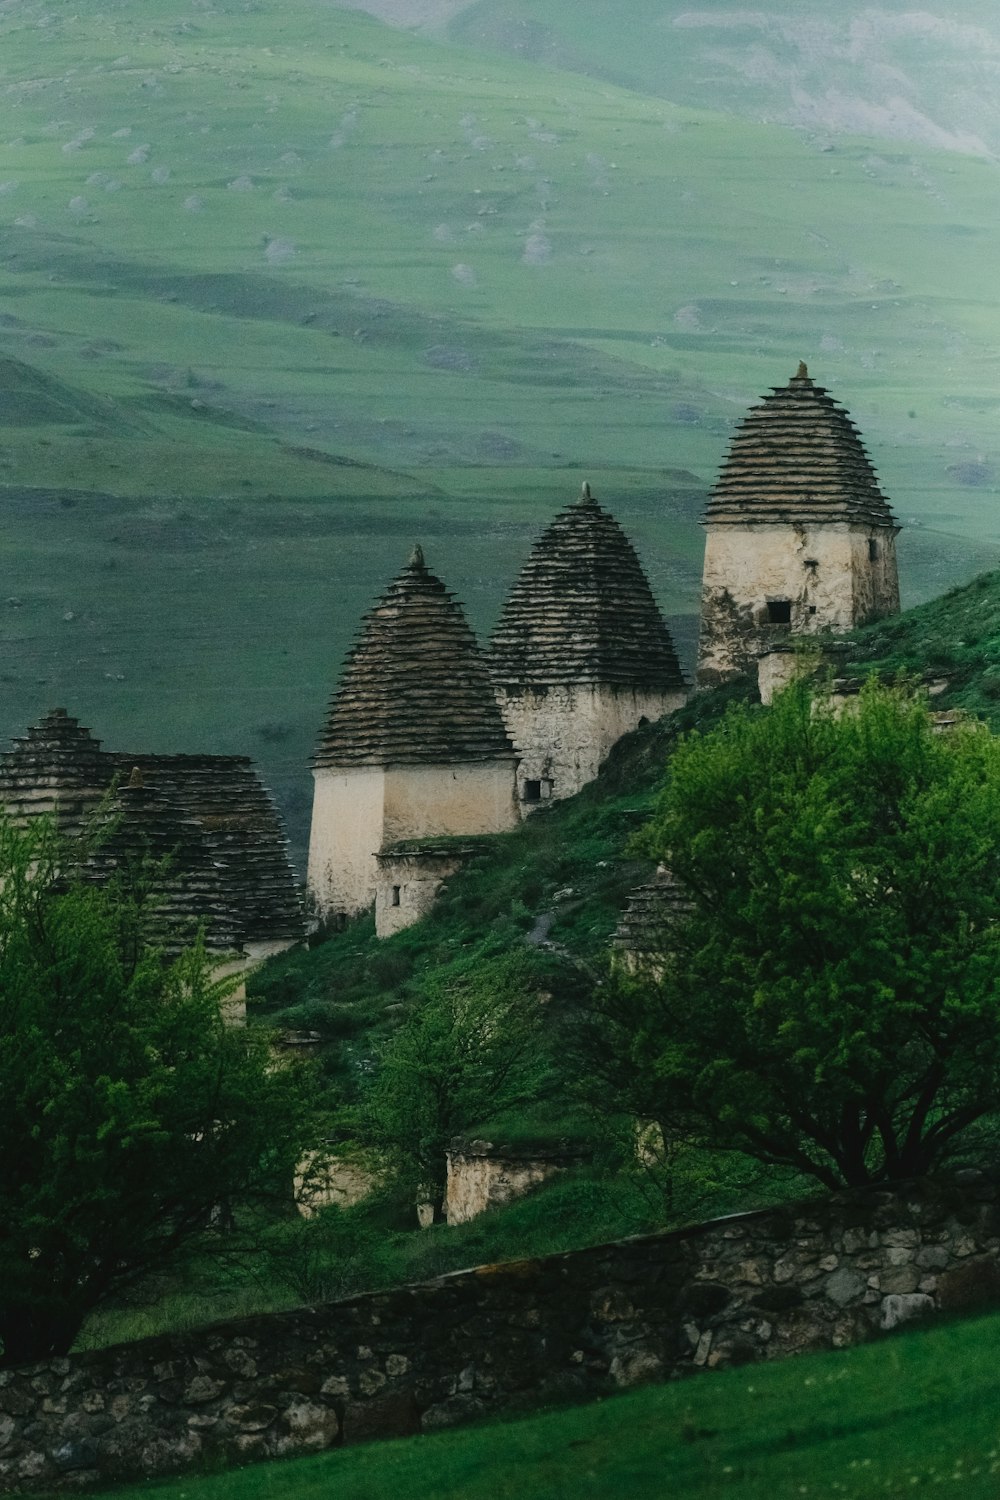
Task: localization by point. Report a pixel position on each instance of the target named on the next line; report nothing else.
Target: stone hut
(581, 655)
(197, 834)
(414, 749)
(637, 942)
(410, 875)
(799, 537)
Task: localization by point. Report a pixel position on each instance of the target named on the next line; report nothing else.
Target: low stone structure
(482, 1175)
(813, 1275)
(410, 875)
(581, 655)
(637, 943)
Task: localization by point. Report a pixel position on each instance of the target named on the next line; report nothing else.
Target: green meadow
(283, 288)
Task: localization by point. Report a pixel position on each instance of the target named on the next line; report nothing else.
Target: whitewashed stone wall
(407, 886)
(824, 571)
(359, 810)
(565, 732)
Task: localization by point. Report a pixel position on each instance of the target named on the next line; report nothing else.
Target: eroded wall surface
(482, 1176)
(813, 1275)
(347, 823)
(565, 733)
(825, 572)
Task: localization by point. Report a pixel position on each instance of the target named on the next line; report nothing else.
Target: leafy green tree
(830, 999)
(132, 1117)
(471, 1049)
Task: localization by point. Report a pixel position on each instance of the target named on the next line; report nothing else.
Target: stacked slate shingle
(798, 458)
(197, 834)
(415, 689)
(652, 909)
(582, 612)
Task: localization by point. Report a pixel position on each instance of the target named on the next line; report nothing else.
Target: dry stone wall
(814, 1275)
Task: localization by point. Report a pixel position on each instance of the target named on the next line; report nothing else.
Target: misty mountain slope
(926, 74)
(344, 286)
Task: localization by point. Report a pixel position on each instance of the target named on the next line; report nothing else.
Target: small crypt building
(799, 537)
(414, 753)
(581, 654)
(199, 834)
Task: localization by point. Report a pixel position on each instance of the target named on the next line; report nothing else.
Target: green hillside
(901, 1417)
(282, 288)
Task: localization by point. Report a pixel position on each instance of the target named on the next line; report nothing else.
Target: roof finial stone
(416, 559)
(586, 495)
(136, 779)
(802, 373)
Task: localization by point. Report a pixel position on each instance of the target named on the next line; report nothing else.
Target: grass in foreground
(916, 1414)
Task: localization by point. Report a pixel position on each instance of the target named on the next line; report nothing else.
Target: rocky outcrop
(813, 1275)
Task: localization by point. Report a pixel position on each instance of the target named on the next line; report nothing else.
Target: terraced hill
(283, 288)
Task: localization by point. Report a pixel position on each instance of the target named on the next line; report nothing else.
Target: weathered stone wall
(563, 733)
(407, 886)
(347, 820)
(813, 1275)
(482, 1175)
(824, 571)
(442, 801)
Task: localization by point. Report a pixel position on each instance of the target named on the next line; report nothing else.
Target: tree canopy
(472, 1050)
(828, 998)
(132, 1117)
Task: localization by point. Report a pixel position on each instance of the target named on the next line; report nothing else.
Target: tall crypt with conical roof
(799, 537)
(581, 654)
(414, 748)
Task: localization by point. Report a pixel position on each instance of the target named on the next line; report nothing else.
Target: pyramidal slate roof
(415, 689)
(207, 819)
(651, 909)
(798, 457)
(582, 611)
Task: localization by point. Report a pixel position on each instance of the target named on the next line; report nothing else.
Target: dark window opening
(812, 609)
(779, 611)
(812, 562)
(532, 791)
(395, 895)
(872, 549)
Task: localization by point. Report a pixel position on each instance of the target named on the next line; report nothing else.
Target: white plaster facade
(829, 576)
(407, 885)
(564, 733)
(358, 810)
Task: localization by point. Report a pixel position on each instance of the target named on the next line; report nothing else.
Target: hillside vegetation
(283, 288)
(896, 1418)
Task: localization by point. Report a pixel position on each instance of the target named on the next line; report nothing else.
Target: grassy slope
(896, 1418)
(233, 234)
(957, 635)
(558, 883)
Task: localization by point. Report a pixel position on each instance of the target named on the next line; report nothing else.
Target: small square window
(812, 609)
(395, 894)
(532, 791)
(779, 611)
